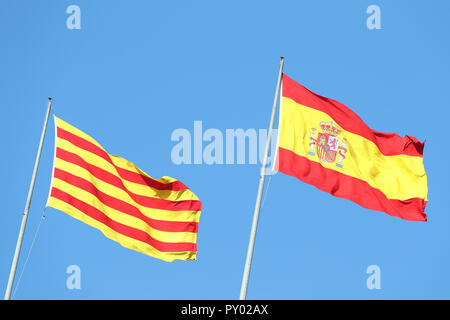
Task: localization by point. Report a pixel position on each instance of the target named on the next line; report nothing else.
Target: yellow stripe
(121, 217)
(159, 214)
(125, 241)
(128, 165)
(64, 125)
(399, 177)
(166, 194)
(118, 161)
(132, 186)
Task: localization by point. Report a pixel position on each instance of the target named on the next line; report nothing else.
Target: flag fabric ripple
(157, 217)
(324, 143)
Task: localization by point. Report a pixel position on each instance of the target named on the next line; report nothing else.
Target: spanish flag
(157, 217)
(324, 143)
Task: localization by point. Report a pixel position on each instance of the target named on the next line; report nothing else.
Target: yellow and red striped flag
(157, 217)
(324, 143)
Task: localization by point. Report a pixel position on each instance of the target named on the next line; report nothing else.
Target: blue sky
(138, 70)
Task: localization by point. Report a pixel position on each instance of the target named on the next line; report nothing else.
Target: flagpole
(262, 177)
(27, 206)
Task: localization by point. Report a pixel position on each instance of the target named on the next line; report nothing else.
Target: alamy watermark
(214, 146)
(74, 20)
(374, 280)
(73, 281)
(374, 20)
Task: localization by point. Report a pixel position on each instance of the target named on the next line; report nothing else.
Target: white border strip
(274, 160)
(54, 158)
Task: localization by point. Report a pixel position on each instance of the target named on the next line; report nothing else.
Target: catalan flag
(324, 143)
(157, 217)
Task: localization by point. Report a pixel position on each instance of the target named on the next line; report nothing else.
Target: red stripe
(121, 228)
(343, 186)
(151, 202)
(122, 206)
(125, 174)
(388, 143)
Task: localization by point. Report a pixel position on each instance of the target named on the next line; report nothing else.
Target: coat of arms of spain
(328, 145)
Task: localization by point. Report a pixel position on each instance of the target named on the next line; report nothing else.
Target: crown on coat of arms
(330, 128)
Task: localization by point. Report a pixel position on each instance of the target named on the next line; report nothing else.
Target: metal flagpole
(262, 176)
(27, 206)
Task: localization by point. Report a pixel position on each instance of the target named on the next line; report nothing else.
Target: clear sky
(137, 71)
